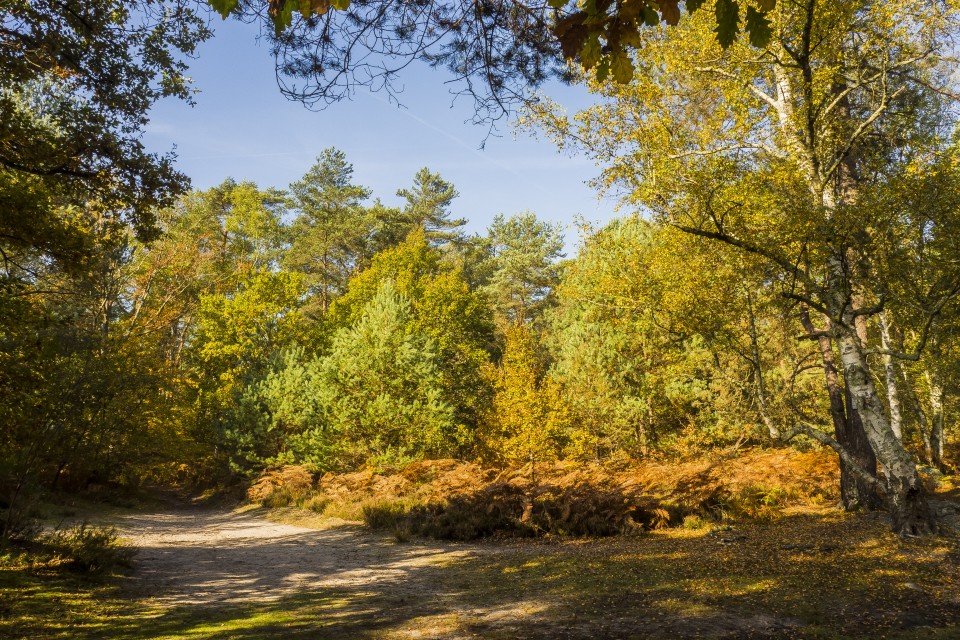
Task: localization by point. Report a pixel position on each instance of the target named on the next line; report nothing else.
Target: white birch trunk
(893, 394)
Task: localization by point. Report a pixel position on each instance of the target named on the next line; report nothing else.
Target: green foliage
(236, 336)
(90, 549)
(523, 265)
(77, 83)
(237, 332)
(79, 392)
(224, 7)
(525, 419)
(443, 309)
(330, 236)
(378, 397)
(260, 329)
(428, 207)
(782, 165)
(219, 310)
(629, 381)
(582, 29)
(274, 419)
(602, 35)
(383, 389)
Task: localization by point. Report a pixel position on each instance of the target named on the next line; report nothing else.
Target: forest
(761, 349)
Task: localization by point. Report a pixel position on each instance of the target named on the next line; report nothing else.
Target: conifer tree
(329, 237)
(382, 386)
(428, 207)
(523, 265)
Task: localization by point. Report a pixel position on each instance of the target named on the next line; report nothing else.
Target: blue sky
(242, 127)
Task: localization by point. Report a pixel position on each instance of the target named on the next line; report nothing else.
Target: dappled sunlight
(797, 576)
(231, 558)
(727, 412)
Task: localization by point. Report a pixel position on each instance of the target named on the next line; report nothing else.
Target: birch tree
(806, 154)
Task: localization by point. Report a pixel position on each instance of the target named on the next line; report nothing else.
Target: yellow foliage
(523, 423)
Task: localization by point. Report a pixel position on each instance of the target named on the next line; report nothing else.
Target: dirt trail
(203, 557)
(231, 568)
(219, 575)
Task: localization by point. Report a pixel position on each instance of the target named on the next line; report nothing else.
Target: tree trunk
(905, 495)
(854, 491)
(893, 395)
(936, 422)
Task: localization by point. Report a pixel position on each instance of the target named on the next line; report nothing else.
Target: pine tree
(428, 207)
(330, 234)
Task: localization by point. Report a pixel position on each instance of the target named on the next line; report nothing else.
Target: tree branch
(826, 440)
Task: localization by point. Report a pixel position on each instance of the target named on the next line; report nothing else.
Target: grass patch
(42, 598)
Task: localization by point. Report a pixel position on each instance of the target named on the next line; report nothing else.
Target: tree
(497, 50)
(428, 208)
(523, 270)
(384, 392)
(78, 80)
(81, 389)
(442, 308)
(211, 242)
(329, 236)
(648, 360)
(209, 296)
(523, 424)
(77, 190)
(798, 155)
(278, 419)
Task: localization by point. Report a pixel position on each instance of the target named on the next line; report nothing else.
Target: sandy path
(354, 583)
(204, 557)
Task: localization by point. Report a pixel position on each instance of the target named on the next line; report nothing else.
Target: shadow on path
(227, 575)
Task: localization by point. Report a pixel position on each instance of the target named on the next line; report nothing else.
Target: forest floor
(202, 573)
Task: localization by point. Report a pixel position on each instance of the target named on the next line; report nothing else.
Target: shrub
(756, 500)
(402, 533)
(384, 515)
(516, 509)
(19, 525)
(454, 500)
(317, 504)
(19, 518)
(695, 522)
(281, 487)
(90, 549)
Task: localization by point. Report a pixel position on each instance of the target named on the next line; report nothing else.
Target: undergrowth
(82, 549)
(90, 549)
(453, 500)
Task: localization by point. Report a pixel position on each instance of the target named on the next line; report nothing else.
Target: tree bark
(855, 492)
(905, 494)
(893, 394)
